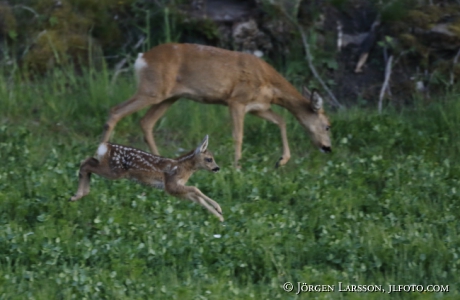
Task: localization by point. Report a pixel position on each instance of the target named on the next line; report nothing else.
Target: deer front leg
(237, 112)
(273, 117)
(209, 200)
(194, 194)
(194, 197)
(84, 176)
(149, 120)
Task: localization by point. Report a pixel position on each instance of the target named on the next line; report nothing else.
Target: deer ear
(203, 146)
(316, 101)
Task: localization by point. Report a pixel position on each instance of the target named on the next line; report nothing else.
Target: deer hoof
(278, 162)
(73, 199)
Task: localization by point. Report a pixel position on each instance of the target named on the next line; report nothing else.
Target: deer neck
(186, 166)
(287, 96)
(295, 105)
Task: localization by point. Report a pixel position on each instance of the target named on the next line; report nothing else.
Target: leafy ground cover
(382, 209)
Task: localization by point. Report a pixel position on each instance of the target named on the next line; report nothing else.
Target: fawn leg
(87, 167)
(192, 193)
(203, 202)
(209, 200)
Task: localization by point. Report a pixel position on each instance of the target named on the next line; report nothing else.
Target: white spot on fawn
(101, 151)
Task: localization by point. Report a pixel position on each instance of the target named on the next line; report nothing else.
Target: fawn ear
(203, 146)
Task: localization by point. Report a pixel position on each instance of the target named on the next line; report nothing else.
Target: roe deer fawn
(209, 75)
(117, 161)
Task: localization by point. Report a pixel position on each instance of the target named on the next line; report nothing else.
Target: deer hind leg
(135, 103)
(273, 117)
(149, 120)
(237, 112)
(90, 165)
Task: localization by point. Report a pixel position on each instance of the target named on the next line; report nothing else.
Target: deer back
(134, 164)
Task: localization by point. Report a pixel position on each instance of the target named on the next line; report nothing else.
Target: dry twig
(308, 56)
(385, 82)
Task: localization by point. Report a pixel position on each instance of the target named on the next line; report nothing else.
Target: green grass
(382, 209)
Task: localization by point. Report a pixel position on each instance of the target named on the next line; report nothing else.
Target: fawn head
(204, 158)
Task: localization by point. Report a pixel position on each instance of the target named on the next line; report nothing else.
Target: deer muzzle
(326, 149)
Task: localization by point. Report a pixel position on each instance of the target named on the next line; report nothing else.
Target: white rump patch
(258, 53)
(101, 151)
(140, 62)
(139, 65)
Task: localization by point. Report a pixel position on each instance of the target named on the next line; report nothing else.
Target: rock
(248, 38)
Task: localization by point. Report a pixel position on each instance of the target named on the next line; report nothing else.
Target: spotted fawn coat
(116, 162)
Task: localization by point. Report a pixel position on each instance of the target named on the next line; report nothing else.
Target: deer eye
(328, 127)
(207, 159)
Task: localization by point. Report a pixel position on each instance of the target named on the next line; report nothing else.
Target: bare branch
(385, 82)
(452, 75)
(333, 99)
(339, 36)
(119, 66)
(367, 44)
(118, 70)
(36, 15)
(308, 56)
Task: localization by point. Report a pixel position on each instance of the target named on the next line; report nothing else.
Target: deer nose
(326, 149)
(216, 169)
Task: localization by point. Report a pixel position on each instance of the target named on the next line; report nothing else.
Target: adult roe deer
(117, 161)
(212, 75)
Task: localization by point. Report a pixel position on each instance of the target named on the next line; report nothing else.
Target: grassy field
(382, 209)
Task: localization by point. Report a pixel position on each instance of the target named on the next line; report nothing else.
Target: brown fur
(117, 162)
(212, 75)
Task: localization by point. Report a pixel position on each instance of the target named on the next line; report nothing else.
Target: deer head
(204, 158)
(316, 122)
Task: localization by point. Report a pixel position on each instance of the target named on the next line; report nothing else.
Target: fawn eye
(207, 159)
(328, 127)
